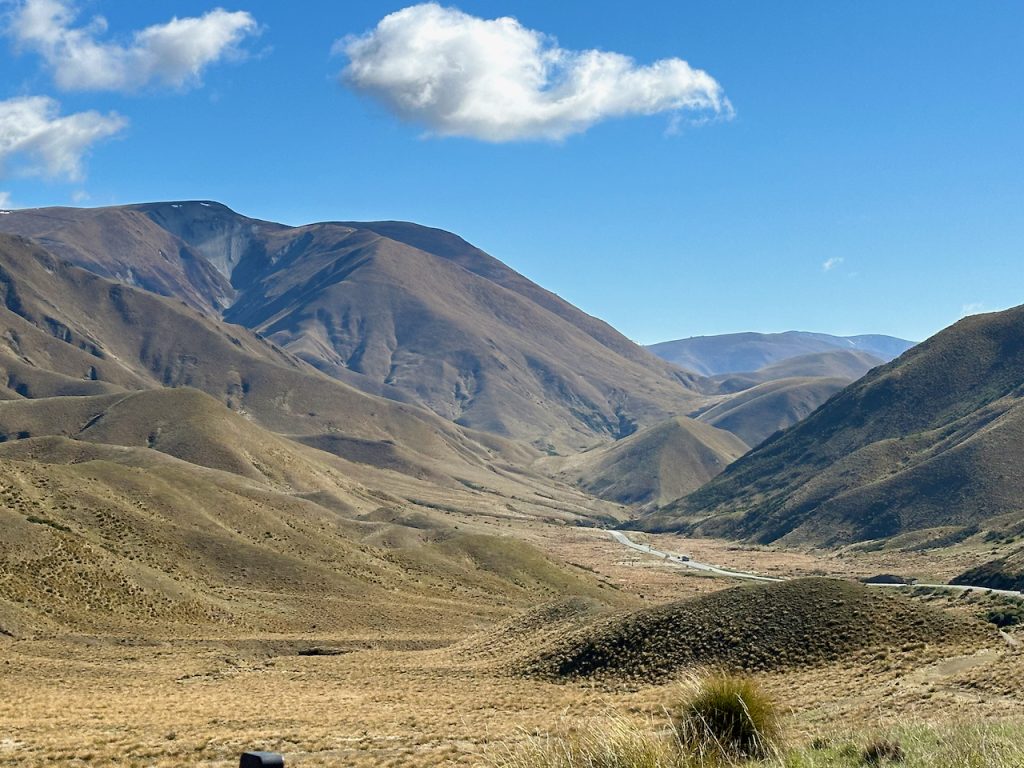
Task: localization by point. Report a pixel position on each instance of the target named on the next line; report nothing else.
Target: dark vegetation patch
(1002, 573)
(35, 520)
(793, 624)
(319, 650)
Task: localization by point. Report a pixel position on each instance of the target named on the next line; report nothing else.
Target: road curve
(622, 538)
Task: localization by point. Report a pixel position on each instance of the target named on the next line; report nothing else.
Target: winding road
(686, 562)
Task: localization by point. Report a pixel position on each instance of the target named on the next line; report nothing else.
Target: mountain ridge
(412, 313)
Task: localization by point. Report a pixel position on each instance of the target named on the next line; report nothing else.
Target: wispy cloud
(5, 200)
(37, 140)
(172, 54)
(496, 80)
(829, 264)
(972, 308)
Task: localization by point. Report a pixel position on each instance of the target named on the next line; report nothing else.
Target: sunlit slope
(931, 439)
(656, 465)
(395, 309)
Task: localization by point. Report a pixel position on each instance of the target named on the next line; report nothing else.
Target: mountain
(655, 465)
(745, 352)
(758, 384)
(930, 441)
(66, 331)
(411, 313)
(758, 404)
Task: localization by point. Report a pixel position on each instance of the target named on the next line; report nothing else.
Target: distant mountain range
(748, 352)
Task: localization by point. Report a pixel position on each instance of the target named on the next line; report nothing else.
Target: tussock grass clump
(729, 718)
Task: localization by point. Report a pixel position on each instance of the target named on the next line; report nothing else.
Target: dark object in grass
(886, 578)
(319, 651)
(1005, 616)
(261, 760)
(881, 751)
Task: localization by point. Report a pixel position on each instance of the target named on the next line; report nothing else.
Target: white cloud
(829, 264)
(496, 80)
(33, 133)
(973, 308)
(174, 54)
(5, 200)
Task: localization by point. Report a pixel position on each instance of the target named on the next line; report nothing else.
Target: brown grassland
(438, 694)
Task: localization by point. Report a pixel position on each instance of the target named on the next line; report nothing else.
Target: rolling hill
(756, 413)
(655, 465)
(928, 441)
(842, 364)
(130, 541)
(761, 383)
(793, 624)
(411, 313)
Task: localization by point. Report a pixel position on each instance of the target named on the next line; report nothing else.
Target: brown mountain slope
(125, 245)
(186, 424)
(655, 465)
(931, 439)
(60, 322)
(410, 312)
(1005, 572)
(757, 413)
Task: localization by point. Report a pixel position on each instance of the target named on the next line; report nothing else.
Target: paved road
(622, 538)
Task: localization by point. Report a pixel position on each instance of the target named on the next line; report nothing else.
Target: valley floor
(405, 701)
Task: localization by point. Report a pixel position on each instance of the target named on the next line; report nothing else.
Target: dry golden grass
(415, 689)
(165, 705)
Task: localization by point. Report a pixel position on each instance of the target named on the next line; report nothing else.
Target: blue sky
(885, 140)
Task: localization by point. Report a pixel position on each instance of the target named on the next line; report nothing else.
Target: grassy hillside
(928, 440)
(130, 541)
(67, 331)
(655, 465)
(779, 626)
(844, 364)
(755, 414)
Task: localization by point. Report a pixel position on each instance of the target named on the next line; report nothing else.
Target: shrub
(1005, 616)
(728, 718)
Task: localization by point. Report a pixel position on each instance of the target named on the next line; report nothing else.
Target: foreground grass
(619, 743)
